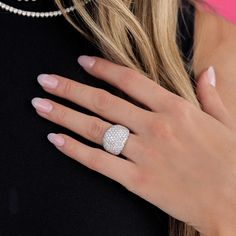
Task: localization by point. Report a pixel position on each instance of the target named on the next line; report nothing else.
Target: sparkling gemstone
(115, 139)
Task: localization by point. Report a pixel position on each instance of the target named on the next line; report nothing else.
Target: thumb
(210, 99)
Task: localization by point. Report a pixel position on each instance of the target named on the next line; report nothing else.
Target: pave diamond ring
(115, 139)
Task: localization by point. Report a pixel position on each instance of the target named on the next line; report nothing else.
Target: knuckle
(67, 88)
(152, 153)
(103, 100)
(84, 91)
(182, 108)
(161, 129)
(60, 116)
(136, 181)
(96, 130)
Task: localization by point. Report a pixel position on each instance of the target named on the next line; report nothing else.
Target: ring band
(115, 139)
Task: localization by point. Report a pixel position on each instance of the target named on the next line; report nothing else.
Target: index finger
(134, 84)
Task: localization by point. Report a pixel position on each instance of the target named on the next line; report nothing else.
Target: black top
(43, 192)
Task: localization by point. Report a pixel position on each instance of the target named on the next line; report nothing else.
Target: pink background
(226, 8)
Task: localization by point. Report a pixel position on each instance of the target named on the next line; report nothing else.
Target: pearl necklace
(35, 13)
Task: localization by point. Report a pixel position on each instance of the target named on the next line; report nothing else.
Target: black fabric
(186, 30)
(43, 192)
(185, 35)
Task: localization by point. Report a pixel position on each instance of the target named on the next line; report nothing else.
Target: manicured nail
(211, 75)
(41, 105)
(56, 139)
(86, 61)
(47, 81)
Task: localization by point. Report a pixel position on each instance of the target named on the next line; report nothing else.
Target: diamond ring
(115, 139)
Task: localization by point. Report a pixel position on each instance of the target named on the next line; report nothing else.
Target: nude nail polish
(41, 105)
(47, 81)
(211, 75)
(56, 139)
(86, 61)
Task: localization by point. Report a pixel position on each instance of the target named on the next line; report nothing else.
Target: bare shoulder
(215, 46)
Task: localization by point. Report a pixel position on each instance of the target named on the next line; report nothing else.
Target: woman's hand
(179, 158)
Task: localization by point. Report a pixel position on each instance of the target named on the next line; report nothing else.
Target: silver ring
(115, 139)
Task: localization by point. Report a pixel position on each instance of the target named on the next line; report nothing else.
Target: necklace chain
(36, 14)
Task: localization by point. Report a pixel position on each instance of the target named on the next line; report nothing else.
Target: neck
(215, 45)
(226, 8)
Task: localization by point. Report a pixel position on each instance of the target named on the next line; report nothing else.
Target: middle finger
(97, 100)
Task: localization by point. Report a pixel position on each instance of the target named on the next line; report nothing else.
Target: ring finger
(89, 127)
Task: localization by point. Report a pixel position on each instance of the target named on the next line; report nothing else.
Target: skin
(179, 158)
(216, 47)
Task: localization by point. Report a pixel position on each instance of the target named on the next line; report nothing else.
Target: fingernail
(86, 61)
(211, 75)
(47, 81)
(56, 139)
(41, 105)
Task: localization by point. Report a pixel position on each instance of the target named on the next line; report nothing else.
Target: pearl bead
(37, 14)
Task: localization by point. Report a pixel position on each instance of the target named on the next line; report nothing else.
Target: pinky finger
(116, 168)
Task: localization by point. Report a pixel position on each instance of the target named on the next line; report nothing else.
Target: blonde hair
(140, 34)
